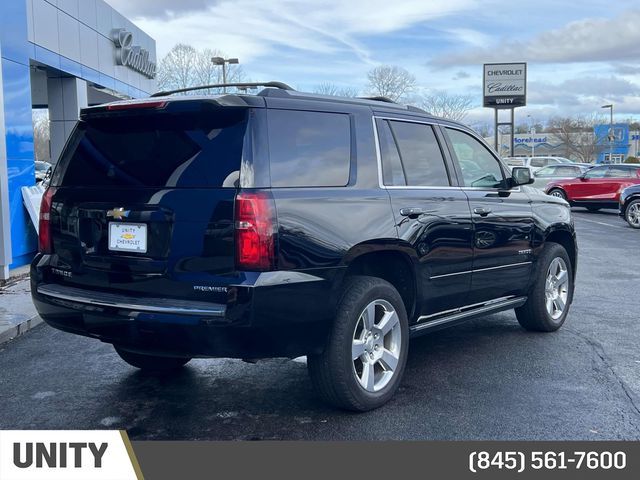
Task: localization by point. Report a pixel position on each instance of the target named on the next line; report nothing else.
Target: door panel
(432, 216)
(502, 221)
(441, 238)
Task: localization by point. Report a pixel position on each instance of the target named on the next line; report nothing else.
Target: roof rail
(379, 99)
(280, 85)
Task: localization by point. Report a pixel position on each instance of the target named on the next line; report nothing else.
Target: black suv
(288, 224)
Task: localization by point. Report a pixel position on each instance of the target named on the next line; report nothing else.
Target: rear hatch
(144, 199)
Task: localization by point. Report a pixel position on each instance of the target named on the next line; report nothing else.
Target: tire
(632, 214)
(341, 380)
(556, 192)
(151, 363)
(536, 315)
(593, 209)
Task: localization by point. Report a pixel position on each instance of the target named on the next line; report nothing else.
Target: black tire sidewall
(349, 312)
(552, 252)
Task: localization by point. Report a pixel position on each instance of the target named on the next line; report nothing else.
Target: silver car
(558, 172)
(536, 163)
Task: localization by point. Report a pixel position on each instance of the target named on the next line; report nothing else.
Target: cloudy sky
(580, 54)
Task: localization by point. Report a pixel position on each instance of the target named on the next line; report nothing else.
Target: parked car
(43, 170)
(558, 172)
(598, 187)
(284, 224)
(630, 205)
(536, 163)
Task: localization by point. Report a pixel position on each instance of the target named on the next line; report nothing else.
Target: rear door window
(309, 149)
(161, 150)
(411, 155)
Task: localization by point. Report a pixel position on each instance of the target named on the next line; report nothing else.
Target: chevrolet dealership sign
(505, 85)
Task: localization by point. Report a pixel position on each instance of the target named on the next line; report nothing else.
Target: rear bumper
(281, 314)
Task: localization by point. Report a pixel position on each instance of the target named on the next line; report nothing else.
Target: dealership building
(59, 55)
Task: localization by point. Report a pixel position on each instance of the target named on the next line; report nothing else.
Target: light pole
(532, 131)
(610, 107)
(223, 62)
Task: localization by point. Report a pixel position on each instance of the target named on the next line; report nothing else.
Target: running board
(460, 315)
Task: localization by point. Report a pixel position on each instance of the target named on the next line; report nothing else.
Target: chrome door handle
(482, 211)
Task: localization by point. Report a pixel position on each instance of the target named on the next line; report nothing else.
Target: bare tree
(577, 136)
(442, 104)
(390, 81)
(41, 134)
(327, 88)
(184, 66)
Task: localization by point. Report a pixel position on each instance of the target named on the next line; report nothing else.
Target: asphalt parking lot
(486, 379)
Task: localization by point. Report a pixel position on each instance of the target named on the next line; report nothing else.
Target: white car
(557, 172)
(536, 163)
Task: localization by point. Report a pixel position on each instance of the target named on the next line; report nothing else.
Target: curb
(20, 329)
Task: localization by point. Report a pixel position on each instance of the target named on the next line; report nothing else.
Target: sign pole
(504, 87)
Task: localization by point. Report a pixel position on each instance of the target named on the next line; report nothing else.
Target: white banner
(66, 455)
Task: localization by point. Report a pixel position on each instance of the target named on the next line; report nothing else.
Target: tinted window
(567, 171)
(420, 154)
(392, 171)
(479, 167)
(546, 171)
(309, 149)
(156, 150)
(597, 172)
(619, 172)
(539, 162)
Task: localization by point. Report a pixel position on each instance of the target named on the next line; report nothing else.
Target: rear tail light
(255, 227)
(45, 243)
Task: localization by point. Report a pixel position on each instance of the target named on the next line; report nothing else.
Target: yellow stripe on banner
(132, 454)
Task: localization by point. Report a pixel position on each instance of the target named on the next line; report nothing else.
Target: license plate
(128, 237)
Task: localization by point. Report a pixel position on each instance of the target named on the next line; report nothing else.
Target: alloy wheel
(556, 288)
(633, 215)
(377, 340)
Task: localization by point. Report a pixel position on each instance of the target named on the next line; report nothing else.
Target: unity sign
(505, 85)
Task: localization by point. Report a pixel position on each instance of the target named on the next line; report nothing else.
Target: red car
(597, 188)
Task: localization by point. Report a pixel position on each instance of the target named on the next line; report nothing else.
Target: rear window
(309, 149)
(160, 150)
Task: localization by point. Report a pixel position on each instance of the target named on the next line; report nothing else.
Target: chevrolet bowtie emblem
(118, 213)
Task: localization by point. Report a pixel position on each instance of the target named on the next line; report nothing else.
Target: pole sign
(505, 85)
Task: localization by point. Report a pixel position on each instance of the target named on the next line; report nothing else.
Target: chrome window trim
(480, 270)
(379, 157)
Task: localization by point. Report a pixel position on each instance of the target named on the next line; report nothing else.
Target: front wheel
(151, 363)
(632, 214)
(366, 352)
(552, 292)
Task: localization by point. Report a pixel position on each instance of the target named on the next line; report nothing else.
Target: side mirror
(521, 176)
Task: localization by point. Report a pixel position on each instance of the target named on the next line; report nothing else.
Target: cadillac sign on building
(505, 85)
(132, 56)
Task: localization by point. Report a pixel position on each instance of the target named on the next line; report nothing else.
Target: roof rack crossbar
(280, 85)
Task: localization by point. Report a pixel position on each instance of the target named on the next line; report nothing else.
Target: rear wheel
(151, 363)
(556, 192)
(632, 214)
(366, 352)
(552, 292)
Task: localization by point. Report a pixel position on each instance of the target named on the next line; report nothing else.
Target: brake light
(136, 105)
(45, 244)
(255, 227)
